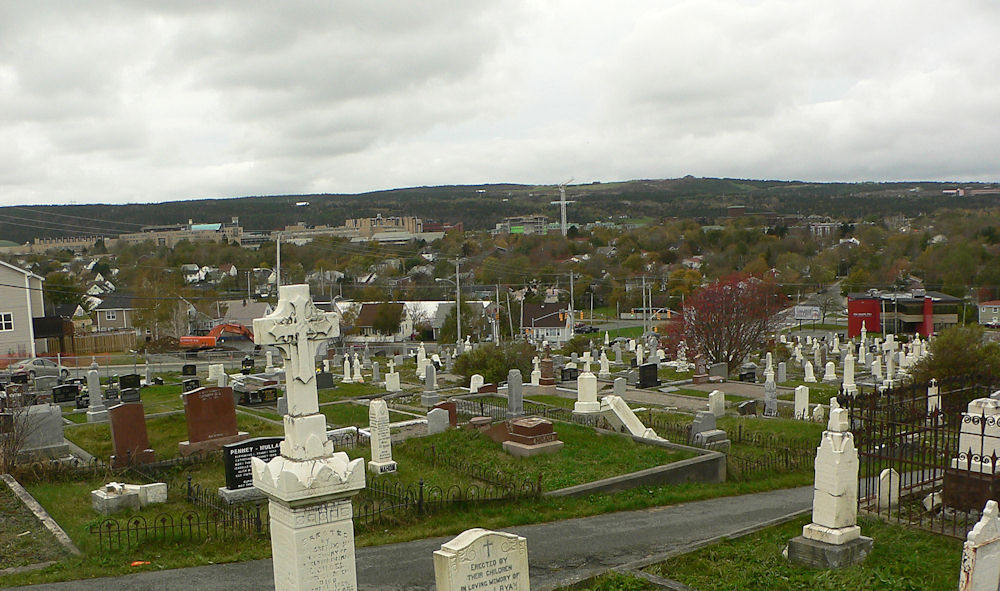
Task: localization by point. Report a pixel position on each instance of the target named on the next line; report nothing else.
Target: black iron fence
(928, 459)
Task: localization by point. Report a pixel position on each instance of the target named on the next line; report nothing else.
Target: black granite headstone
(189, 369)
(19, 378)
(247, 364)
(83, 401)
(747, 407)
(65, 393)
(648, 377)
(324, 380)
(190, 384)
(570, 373)
(131, 380)
(236, 459)
(130, 395)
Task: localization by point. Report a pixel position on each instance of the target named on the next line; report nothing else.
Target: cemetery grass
(902, 559)
(23, 539)
(347, 414)
(703, 394)
(819, 393)
(165, 432)
(345, 391)
(69, 504)
(613, 581)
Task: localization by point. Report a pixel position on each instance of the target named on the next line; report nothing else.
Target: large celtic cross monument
(308, 485)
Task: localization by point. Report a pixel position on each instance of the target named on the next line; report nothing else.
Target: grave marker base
(234, 496)
(381, 467)
(186, 448)
(816, 554)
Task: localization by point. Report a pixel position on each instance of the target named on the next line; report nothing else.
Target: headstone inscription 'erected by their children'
(483, 560)
(309, 487)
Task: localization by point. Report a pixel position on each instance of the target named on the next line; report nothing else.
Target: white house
(20, 302)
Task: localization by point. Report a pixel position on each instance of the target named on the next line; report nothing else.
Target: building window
(111, 315)
(6, 321)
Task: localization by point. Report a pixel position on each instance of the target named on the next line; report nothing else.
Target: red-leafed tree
(725, 320)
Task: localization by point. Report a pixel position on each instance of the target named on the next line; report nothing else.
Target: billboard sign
(807, 313)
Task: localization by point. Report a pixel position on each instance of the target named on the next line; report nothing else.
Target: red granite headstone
(211, 420)
(128, 435)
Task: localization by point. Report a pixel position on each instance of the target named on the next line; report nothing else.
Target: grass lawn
(613, 582)
(819, 393)
(164, 434)
(345, 391)
(347, 414)
(703, 394)
(23, 539)
(902, 559)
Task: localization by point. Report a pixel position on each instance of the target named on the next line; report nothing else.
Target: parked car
(39, 367)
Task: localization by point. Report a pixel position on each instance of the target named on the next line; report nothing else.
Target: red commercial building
(913, 312)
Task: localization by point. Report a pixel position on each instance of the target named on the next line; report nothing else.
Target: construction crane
(562, 205)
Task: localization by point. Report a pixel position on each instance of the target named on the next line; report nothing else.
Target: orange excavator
(217, 336)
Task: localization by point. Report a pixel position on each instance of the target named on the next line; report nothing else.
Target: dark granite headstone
(82, 401)
(211, 419)
(189, 369)
(129, 438)
(19, 378)
(570, 373)
(747, 407)
(190, 384)
(130, 395)
(246, 365)
(648, 377)
(324, 380)
(131, 380)
(65, 393)
(157, 381)
(236, 459)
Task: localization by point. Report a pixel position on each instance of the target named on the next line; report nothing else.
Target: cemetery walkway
(559, 553)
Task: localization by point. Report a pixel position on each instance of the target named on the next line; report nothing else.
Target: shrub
(493, 362)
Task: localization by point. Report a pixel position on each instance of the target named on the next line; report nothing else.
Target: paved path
(559, 553)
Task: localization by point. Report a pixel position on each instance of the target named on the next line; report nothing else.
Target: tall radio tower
(562, 205)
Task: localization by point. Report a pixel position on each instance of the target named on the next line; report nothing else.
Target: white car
(39, 367)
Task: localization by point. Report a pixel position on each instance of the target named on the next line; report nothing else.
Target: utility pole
(278, 240)
(458, 302)
(644, 307)
(570, 294)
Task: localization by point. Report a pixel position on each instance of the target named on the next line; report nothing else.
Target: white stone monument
(475, 383)
(717, 402)
(979, 439)
(810, 377)
(309, 486)
(269, 363)
(358, 378)
(888, 490)
(96, 412)
(586, 393)
(802, 403)
(833, 539)
(849, 386)
(830, 375)
(379, 437)
(482, 559)
(981, 553)
(605, 371)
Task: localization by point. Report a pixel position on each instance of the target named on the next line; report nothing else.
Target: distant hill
(481, 206)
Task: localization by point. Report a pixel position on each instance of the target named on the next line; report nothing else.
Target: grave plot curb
(40, 513)
(708, 467)
(635, 567)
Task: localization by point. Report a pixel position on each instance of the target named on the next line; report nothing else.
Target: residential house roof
(544, 315)
(368, 312)
(244, 312)
(116, 301)
(22, 271)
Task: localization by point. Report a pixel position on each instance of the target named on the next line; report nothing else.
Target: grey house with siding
(20, 302)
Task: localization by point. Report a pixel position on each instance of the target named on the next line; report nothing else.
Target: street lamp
(458, 303)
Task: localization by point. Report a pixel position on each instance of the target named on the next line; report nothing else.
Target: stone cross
(308, 485)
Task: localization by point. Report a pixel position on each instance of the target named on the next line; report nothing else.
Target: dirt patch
(23, 538)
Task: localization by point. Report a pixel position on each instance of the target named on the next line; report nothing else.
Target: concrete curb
(40, 513)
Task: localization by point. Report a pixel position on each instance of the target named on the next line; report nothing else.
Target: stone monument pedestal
(186, 448)
(382, 467)
(429, 399)
(818, 554)
(97, 414)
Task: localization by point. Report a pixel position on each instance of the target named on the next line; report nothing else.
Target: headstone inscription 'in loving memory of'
(482, 560)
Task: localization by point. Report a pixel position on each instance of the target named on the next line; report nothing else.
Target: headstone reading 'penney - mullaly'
(833, 539)
(482, 559)
(309, 486)
(378, 425)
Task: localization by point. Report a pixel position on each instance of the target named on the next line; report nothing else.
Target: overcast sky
(119, 102)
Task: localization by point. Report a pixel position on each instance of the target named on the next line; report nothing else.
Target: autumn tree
(725, 320)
